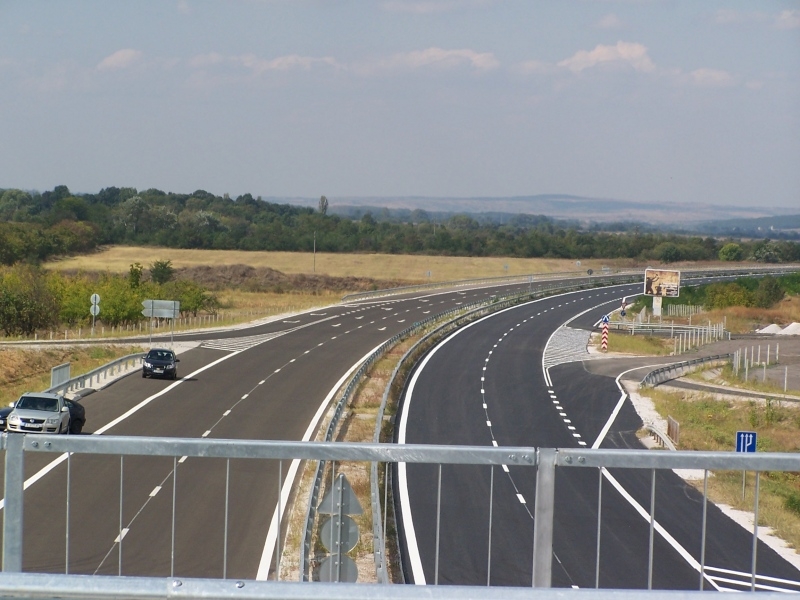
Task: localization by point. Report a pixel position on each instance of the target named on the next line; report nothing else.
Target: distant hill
(558, 206)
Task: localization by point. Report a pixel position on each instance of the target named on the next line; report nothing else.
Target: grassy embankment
(28, 370)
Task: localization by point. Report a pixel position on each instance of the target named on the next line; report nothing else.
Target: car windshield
(159, 355)
(38, 403)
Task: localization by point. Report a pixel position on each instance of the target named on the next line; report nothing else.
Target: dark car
(77, 415)
(160, 362)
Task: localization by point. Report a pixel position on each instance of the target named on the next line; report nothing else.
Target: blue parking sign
(746, 441)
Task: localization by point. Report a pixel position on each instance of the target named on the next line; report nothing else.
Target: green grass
(644, 345)
(710, 424)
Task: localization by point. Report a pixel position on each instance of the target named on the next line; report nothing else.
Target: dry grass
(411, 268)
(740, 319)
(642, 345)
(27, 370)
(711, 424)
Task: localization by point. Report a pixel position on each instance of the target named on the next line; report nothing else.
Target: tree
(323, 205)
(161, 271)
(135, 275)
(731, 252)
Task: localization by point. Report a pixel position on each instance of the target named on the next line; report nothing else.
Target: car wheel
(144, 375)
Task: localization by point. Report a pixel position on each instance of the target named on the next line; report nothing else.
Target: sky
(641, 100)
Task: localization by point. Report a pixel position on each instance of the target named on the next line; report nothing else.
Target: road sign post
(94, 309)
(604, 343)
(746, 442)
(162, 309)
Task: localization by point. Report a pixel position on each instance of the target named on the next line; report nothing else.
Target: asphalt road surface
(486, 385)
(270, 382)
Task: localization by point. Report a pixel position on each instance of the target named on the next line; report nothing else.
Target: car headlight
(148, 365)
(53, 420)
(13, 419)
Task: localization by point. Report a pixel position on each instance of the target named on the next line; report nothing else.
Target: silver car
(39, 413)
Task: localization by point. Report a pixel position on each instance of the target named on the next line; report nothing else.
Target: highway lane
(486, 385)
(242, 384)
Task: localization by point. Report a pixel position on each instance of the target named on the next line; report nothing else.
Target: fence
(545, 465)
(683, 310)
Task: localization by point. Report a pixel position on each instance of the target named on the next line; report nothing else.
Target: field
(410, 268)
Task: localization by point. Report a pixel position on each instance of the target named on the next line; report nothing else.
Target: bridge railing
(543, 465)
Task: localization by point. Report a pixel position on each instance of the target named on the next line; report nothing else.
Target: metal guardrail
(546, 463)
(100, 373)
(511, 279)
(503, 279)
(679, 369)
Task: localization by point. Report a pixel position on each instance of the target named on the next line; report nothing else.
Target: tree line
(33, 299)
(35, 226)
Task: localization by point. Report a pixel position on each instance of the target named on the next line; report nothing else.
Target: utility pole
(315, 252)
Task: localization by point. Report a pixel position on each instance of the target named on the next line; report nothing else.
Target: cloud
(711, 77)
(290, 62)
(121, 59)
(788, 19)
(441, 58)
(629, 53)
(534, 67)
(258, 65)
(609, 21)
(427, 7)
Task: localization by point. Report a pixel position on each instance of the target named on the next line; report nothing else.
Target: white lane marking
(294, 359)
(505, 468)
(521, 498)
(333, 338)
(620, 403)
(288, 484)
(488, 423)
(206, 433)
(226, 413)
(277, 370)
(494, 443)
(122, 535)
(402, 474)
(155, 491)
(182, 459)
(337, 325)
(656, 525)
(245, 396)
(381, 328)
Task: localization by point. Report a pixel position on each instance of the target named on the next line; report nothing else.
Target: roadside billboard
(661, 283)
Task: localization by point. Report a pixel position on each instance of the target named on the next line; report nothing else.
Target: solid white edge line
(57, 461)
(277, 516)
(402, 477)
(656, 525)
(636, 506)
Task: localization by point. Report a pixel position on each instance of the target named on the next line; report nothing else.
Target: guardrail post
(543, 518)
(12, 511)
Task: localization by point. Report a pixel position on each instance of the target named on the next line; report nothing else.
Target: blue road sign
(746, 441)
(605, 319)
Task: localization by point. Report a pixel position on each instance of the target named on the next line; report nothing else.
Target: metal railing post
(543, 517)
(12, 511)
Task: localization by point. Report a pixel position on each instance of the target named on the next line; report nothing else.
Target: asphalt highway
(270, 382)
(486, 385)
